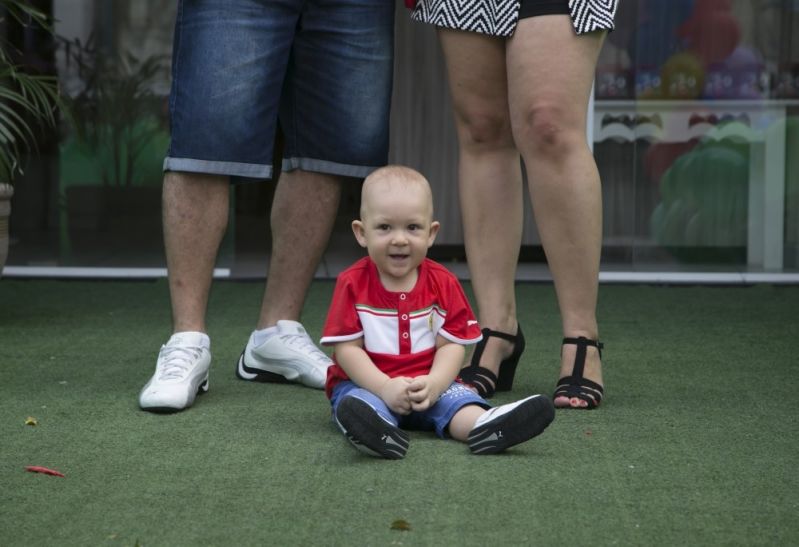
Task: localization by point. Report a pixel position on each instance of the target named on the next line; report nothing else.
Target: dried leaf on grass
(401, 524)
(30, 420)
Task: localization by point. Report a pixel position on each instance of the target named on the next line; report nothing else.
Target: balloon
(712, 32)
(656, 33)
(682, 76)
(660, 155)
(704, 197)
(737, 76)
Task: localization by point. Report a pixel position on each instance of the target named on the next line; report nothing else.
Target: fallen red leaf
(45, 470)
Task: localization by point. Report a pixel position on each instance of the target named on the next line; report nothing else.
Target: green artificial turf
(695, 444)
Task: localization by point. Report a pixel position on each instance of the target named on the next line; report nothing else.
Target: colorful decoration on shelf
(704, 203)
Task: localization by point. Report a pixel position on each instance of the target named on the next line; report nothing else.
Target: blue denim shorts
(436, 418)
(323, 67)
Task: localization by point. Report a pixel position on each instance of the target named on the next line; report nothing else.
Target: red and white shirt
(399, 329)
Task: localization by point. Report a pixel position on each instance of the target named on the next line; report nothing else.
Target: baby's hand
(423, 393)
(395, 394)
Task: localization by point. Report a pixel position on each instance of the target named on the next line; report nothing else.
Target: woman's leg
(490, 180)
(550, 73)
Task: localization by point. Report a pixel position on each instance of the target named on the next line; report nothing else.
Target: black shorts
(532, 8)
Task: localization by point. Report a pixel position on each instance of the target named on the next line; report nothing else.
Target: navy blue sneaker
(369, 432)
(508, 425)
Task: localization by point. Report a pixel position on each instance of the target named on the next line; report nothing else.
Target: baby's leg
(463, 422)
(494, 430)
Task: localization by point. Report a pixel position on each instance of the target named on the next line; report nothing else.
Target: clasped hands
(403, 394)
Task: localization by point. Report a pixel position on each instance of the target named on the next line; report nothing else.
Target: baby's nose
(400, 238)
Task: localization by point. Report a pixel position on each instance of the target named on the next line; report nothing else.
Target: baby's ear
(434, 227)
(360, 232)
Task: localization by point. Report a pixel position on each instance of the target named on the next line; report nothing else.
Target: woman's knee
(484, 130)
(549, 131)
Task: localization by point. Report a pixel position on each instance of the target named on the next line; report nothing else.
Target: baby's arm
(352, 358)
(425, 390)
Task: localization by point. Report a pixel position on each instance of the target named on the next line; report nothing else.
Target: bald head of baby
(396, 183)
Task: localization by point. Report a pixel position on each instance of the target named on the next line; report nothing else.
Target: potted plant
(26, 102)
(111, 162)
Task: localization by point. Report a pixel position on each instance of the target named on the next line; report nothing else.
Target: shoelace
(304, 343)
(177, 361)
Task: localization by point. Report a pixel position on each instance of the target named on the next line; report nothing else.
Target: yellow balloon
(682, 76)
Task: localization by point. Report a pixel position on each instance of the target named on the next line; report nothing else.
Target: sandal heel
(507, 368)
(484, 380)
(576, 385)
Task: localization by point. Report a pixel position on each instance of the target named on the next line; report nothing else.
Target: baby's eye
(383, 227)
(414, 227)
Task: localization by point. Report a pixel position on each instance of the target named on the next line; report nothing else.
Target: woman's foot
(496, 349)
(592, 372)
(486, 372)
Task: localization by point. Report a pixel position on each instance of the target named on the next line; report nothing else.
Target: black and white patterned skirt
(499, 17)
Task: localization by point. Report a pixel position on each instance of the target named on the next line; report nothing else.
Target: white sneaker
(180, 373)
(508, 425)
(287, 356)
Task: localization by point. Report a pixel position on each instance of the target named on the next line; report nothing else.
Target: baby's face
(397, 229)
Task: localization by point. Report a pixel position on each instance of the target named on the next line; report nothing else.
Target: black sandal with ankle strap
(483, 379)
(577, 385)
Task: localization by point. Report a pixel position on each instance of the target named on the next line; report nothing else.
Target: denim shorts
(436, 418)
(323, 67)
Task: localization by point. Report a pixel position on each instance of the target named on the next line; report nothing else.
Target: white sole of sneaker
(166, 409)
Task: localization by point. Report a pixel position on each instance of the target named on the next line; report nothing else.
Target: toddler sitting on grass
(399, 323)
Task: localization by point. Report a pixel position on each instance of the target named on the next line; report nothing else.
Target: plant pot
(6, 191)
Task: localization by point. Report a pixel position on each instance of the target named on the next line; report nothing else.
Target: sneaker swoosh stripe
(401, 444)
(243, 373)
(492, 437)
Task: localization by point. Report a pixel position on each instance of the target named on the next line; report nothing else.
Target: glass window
(695, 133)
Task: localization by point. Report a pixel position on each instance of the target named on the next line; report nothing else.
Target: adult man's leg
(303, 213)
(195, 216)
(334, 113)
